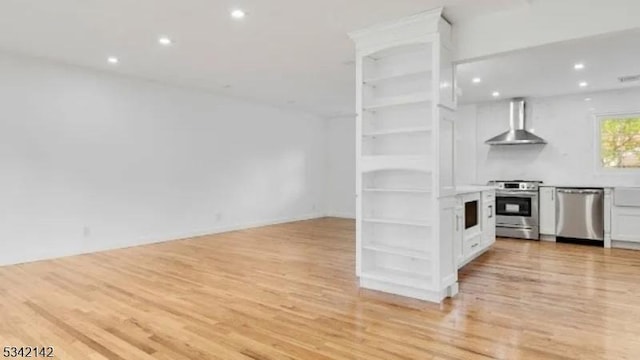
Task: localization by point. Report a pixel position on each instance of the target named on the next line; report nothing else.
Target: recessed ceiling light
(587, 99)
(238, 14)
(583, 84)
(113, 60)
(476, 80)
(578, 66)
(163, 40)
(495, 94)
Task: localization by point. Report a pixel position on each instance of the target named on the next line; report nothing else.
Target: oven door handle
(518, 195)
(507, 192)
(581, 191)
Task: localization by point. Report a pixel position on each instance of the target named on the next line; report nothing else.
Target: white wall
(92, 161)
(566, 122)
(341, 174)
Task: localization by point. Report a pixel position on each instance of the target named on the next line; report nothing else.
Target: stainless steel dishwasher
(580, 214)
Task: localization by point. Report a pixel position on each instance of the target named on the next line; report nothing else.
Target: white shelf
(408, 191)
(388, 162)
(415, 254)
(417, 223)
(397, 277)
(405, 158)
(404, 100)
(407, 75)
(398, 131)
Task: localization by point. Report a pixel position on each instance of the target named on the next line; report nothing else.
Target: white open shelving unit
(405, 105)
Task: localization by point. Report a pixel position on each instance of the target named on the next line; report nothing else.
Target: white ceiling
(548, 70)
(286, 52)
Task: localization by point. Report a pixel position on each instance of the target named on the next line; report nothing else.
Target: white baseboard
(550, 238)
(223, 229)
(408, 291)
(629, 245)
(241, 226)
(342, 215)
(147, 240)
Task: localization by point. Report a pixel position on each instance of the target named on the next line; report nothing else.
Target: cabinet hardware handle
(474, 245)
(578, 191)
(491, 212)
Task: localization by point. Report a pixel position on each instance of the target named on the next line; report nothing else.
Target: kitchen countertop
(466, 189)
(589, 186)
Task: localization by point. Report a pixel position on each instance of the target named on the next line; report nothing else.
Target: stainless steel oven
(517, 205)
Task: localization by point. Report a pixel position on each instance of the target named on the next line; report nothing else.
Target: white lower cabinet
(489, 223)
(472, 246)
(625, 218)
(547, 210)
(625, 224)
(474, 241)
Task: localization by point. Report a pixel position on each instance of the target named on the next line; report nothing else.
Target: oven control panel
(521, 186)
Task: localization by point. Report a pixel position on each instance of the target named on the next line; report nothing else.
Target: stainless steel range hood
(517, 134)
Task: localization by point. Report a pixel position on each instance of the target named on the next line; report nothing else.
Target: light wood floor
(289, 291)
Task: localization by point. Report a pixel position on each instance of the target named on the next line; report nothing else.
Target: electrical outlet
(86, 231)
(218, 216)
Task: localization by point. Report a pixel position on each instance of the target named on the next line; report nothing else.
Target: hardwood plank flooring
(289, 292)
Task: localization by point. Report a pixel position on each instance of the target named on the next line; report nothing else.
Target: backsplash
(568, 125)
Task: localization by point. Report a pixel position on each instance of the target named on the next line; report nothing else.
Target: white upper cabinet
(547, 210)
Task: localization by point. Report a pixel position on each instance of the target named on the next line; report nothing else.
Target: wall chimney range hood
(517, 134)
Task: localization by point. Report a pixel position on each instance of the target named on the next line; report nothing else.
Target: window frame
(598, 119)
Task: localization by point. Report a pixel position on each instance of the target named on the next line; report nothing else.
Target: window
(619, 137)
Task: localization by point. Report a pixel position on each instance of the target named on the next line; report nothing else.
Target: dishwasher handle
(581, 191)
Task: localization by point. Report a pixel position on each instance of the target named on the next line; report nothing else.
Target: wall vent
(629, 78)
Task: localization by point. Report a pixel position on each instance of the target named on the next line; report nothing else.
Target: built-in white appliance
(471, 213)
(517, 204)
(472, 227)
